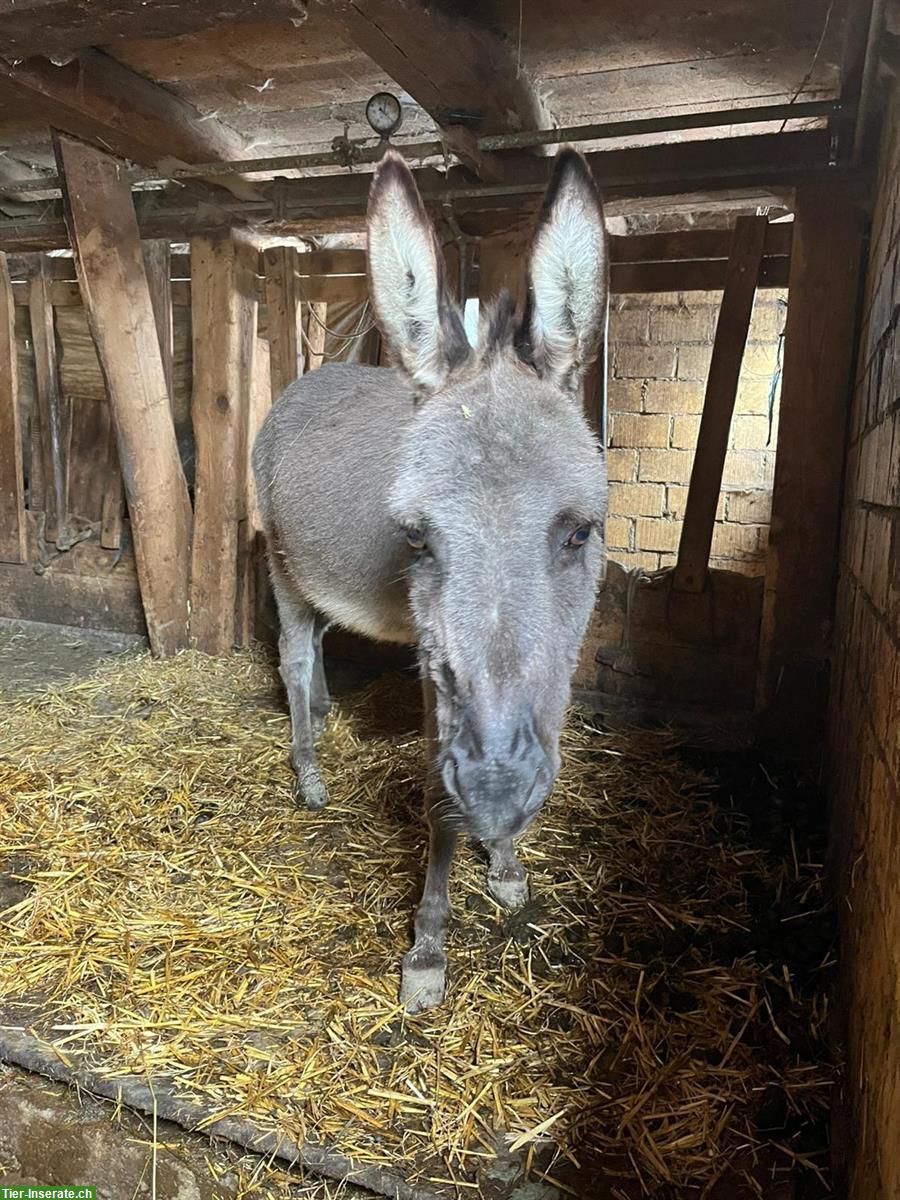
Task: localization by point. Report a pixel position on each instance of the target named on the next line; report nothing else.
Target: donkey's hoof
(423, 981)
(311, 788)
(509, 892)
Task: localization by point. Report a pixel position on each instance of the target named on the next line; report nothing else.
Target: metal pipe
(504, 141)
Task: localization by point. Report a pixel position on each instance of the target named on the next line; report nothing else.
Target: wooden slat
(112, 511)
(331, 262)
(692, 567)
(708, 276)
(252, 574)
(809, 461)
(157, 266)
(110, 600)
(104, 232)
(285, 353)
(51, 418)
(223, 308)
(690, 244)
(316, 321)
(12, 482)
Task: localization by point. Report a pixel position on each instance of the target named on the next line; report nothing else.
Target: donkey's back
(324, 462)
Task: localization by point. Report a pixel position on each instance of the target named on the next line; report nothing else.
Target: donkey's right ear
(418, 319)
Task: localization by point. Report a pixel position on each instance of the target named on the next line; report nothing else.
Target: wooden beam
(329, 204)
(316, 320)
(104, 233)
(51, 418)
(801, 564)
(59, 27)
(692, 567)
(103, 102)
(12, 482)
(282, 317)
(223, 310)
(158, 268)
(444, 61)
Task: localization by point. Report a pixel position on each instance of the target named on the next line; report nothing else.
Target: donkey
(456, 501)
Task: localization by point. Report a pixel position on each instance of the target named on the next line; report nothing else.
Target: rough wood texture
(223, 292)
(51, 416)
(444, 61)
(502, 263)
(818, 360)
(329, 204)
(316, 324)
(282, 316)
(12, 482)
(114, 285)
(157, 266)
(97, 98)
(253, 578)
(692, 568)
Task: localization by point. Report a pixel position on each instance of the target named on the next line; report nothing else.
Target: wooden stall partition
(103, 230)
(692, 568)
(51, 422)
(800, 580)
(13, 542)
(223, 310)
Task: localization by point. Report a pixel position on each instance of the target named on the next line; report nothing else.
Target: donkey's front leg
(425, 966)
(507, 881)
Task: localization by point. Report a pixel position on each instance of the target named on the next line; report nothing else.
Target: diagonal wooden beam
(741, 277)
(99, 100)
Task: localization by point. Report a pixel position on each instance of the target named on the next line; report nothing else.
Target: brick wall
(660, 351)
(865, 716)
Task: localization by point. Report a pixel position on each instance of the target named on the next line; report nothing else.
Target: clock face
(383, 112)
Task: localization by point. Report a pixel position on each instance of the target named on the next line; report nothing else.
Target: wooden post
(692, 567)
(801, 565)
(283, 317)
(223, 311)
(51, 421)
(252, 575)
(113, 497)
(316, 332)
(158, 266)
(13, 545)
(103, 230)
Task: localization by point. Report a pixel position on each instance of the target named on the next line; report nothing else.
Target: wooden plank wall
(251, 314)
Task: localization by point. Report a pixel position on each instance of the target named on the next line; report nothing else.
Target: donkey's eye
(579, 536)
(416, 538)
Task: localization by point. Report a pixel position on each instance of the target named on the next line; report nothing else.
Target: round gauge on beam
(384, 114)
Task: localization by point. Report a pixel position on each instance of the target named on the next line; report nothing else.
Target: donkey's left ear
(420, 322)
(568, 276)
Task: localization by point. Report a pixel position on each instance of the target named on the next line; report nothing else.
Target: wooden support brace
(13, 546)
(692, 567)
(224, 310)
(801, 564)
(104, 233)
(283, 317)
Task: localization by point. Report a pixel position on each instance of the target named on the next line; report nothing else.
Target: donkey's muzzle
(499, 775)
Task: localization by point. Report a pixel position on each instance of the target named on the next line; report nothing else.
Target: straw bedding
(169, 910)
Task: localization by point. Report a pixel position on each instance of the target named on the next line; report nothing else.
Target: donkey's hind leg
(507, 881)
(297, 649)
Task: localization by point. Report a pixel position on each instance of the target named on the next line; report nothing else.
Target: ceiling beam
(463, 73)
(59, 28)
(331, 204)
(99, 100)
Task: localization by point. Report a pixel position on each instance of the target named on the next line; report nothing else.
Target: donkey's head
(501, 493)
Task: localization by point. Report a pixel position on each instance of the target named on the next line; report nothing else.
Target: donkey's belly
(383, 622)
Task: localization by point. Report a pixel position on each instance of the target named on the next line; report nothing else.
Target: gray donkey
(456, 501)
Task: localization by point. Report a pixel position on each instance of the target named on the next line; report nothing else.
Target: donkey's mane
(503, 330)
